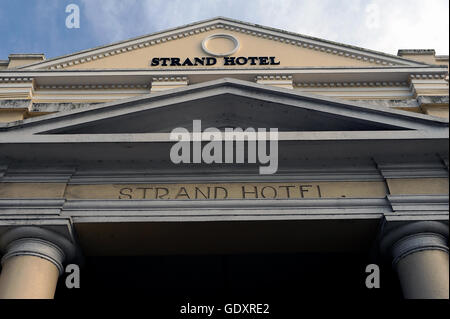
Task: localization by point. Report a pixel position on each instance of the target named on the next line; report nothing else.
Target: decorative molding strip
(429, 84)
(38, 175)
(95, 86)
(415, 216)
(164, 83)
(415, 170)
(170, 79)
(201, 210)
(35, 203)
(15, 95)
(98, 177)
(143, 204)
(425, 76)
(422, 203)
(280, 77)
(34, 210)
(349, 84)
(15, 79)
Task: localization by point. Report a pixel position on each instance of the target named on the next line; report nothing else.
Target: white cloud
(382, 25)
(415, 24)
(110, 19)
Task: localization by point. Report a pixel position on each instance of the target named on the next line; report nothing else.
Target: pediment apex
(225, 102)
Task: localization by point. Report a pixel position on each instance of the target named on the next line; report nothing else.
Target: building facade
(87, 177)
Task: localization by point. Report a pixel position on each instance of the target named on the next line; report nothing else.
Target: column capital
(400, 241)
(38, 242)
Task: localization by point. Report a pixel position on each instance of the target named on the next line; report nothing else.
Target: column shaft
(419, 254)
(31, 265)
(28, 277)
(424, 275)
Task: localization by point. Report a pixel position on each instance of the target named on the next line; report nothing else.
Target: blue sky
(38, 26)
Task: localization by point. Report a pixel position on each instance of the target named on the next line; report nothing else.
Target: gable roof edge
(315, 44)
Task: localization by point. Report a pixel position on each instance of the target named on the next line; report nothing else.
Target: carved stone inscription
(220, 191)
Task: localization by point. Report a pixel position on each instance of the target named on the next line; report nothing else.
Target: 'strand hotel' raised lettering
(209, 61)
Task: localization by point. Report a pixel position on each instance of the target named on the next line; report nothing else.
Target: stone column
(419, 254)
(32, 262)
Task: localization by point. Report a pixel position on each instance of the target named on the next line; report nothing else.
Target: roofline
(218, 19)
(26, 55)
(323, 40)
(416, 51)
(118, 42)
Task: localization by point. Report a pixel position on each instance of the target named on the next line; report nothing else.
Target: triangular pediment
(218, 39)
(221, 104)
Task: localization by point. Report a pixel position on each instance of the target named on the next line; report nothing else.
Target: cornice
(350, 84)
(427, 76)
(418, 69)
(170, 79)
(275, 77)
(298, 76)
(15, 79)
(95, 86)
